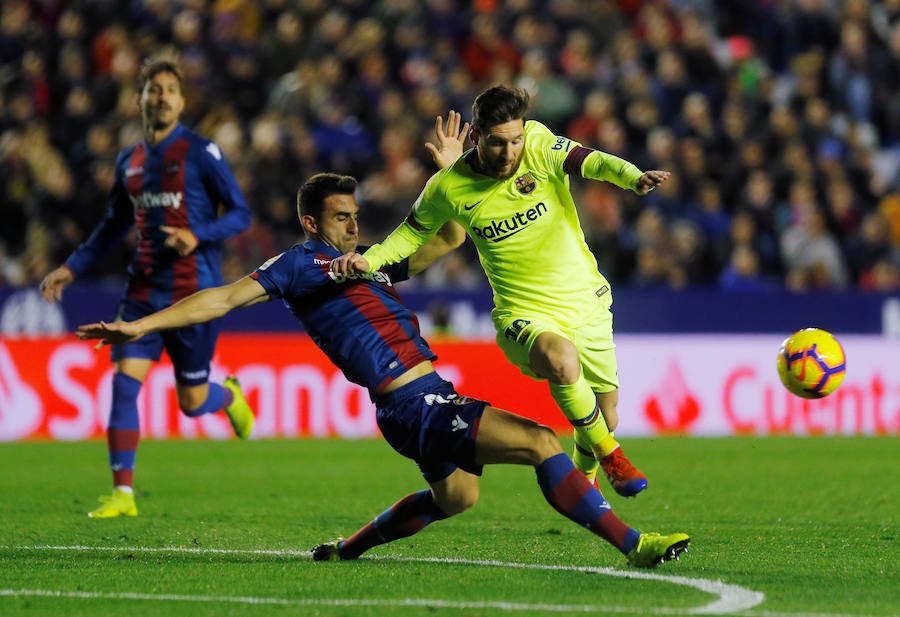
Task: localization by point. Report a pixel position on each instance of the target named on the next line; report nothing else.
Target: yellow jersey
(526, 228)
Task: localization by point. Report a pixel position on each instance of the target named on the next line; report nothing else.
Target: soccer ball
(811, 363)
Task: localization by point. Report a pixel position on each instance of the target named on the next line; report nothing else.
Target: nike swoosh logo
(473, 205)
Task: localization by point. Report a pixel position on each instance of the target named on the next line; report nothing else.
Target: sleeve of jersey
(597, 165)
(224, 190)
(400, 244)
(426, 217)
(276, 275)
(109, 233)
(398, 271)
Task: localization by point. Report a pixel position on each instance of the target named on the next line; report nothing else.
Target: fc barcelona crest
(525, 183)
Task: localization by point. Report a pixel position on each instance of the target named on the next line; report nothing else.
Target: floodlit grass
(810, 523)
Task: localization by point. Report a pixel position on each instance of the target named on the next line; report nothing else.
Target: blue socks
(569, 492)
(215, 401)
(123, 432)
(406, 517)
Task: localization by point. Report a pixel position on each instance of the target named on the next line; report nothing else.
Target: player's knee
(554, 357)
(545, 443)
(563, 365)
(458, 502)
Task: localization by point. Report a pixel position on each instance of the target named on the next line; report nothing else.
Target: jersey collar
(165, 143)
(317, 246)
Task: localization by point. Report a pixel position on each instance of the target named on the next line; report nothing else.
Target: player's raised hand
(53, 284)
(113, 333)
(450, 144)
(181, 240)
(349, 263)
(650, 180)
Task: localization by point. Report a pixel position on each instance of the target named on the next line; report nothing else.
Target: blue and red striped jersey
(180, 182)
(359, 321)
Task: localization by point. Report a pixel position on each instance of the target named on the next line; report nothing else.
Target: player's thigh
(148, 348)
(504, 437)
(517, 337)
(191, 349)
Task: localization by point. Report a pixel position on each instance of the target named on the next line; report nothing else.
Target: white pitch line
(407, 602)
(731, 598)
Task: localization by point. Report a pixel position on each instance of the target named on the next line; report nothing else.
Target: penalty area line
(730, 599)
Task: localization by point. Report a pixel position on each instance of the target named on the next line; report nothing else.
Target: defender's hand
(181, 240)
(109, 333)
(53, 284)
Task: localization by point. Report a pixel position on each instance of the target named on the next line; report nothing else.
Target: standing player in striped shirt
(171, 186)
(362, 325)
(552, 305)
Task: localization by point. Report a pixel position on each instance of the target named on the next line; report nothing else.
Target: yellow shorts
(516, 333)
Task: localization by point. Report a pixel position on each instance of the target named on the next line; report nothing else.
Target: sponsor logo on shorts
(195, 374)
(458, 424)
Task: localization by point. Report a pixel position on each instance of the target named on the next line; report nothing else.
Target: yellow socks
(592, 437)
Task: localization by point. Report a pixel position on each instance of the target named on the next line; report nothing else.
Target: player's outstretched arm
(448, 237)
(200, 307)
(450, 144)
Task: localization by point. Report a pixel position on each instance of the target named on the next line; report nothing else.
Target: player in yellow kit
(552, 305)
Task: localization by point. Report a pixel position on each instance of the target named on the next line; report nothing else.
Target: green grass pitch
(781, 527)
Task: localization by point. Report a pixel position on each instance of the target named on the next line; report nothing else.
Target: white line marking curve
(730, 598)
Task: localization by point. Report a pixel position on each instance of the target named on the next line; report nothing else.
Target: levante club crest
(525, 183)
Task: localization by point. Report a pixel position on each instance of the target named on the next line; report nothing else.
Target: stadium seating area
(780, 121)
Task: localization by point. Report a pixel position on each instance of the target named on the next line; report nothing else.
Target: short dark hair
(312, 194)
(163, 61)
(498, 105)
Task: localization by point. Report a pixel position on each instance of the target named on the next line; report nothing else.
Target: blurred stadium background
(779, 118)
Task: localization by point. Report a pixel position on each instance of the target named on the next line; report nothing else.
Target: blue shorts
(190, 348)
(427, 421)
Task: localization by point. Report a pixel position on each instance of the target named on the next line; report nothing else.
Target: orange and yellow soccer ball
(811, 363)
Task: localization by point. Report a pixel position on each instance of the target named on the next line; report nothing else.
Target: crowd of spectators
(780, 120)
